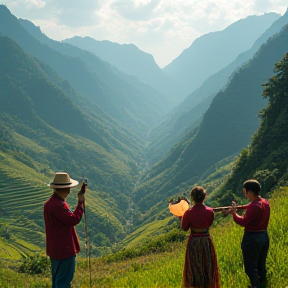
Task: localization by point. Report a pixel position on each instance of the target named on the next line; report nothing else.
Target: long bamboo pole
(87, 245)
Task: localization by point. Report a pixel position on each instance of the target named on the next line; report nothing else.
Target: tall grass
(10, 278)
(159, 270)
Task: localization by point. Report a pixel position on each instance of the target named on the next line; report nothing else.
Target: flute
(219, 209)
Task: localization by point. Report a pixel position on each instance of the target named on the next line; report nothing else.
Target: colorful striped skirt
(200, 268)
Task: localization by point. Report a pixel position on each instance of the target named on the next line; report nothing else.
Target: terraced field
(16, 249)
(18, 195)
(21, 224)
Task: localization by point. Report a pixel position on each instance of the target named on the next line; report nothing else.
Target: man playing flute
(255, 242)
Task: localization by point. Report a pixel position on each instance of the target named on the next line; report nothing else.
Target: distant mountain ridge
(211, 52)
(104, 71)
(130, 104)
(129, 59)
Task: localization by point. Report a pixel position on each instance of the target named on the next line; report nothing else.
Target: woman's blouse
(197, 217)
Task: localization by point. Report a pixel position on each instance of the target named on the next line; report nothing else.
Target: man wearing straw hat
(62, 243)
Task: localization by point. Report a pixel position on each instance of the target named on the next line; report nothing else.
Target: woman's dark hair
(252, 185)
(198, 194)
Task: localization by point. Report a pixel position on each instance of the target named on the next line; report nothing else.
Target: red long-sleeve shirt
(198, 217)
(256, 217)
(61, 237)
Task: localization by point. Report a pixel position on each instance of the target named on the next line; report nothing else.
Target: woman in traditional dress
(200, 267)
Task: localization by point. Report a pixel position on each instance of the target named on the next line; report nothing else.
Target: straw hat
(63, 180)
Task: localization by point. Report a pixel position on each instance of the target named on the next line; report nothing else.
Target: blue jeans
(62, 272)
(255, 247)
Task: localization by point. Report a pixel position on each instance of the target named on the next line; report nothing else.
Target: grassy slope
(144, 232)
(164, 269)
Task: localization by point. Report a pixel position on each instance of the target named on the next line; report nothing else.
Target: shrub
(36, 264)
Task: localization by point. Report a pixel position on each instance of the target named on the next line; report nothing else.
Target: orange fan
(179, 207)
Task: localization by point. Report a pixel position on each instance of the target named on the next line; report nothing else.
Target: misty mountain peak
(129, 59)
(4, 8)
(216, 50)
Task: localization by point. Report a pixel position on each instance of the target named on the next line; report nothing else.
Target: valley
(141, 135)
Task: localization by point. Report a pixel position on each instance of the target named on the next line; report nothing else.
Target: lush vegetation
(266, 157)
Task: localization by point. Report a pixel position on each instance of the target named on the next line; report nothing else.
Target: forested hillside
(227, 127)
(266, 157)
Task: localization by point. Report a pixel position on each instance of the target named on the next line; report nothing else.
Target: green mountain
(213, 51)
(132, 61)
(184, 117)
(266, 157)
(42, 131)
(105, 72)
(128, 103)
(226, 128)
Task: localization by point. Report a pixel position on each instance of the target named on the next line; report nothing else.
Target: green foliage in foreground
(164, 269)
(38, 264)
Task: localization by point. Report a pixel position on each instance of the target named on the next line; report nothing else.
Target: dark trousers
(62, 272)
(255, 247)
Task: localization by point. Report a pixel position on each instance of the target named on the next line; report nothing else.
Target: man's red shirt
(61, 237)
(256, 217)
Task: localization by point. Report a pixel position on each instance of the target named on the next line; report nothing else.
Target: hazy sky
(163, 28)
